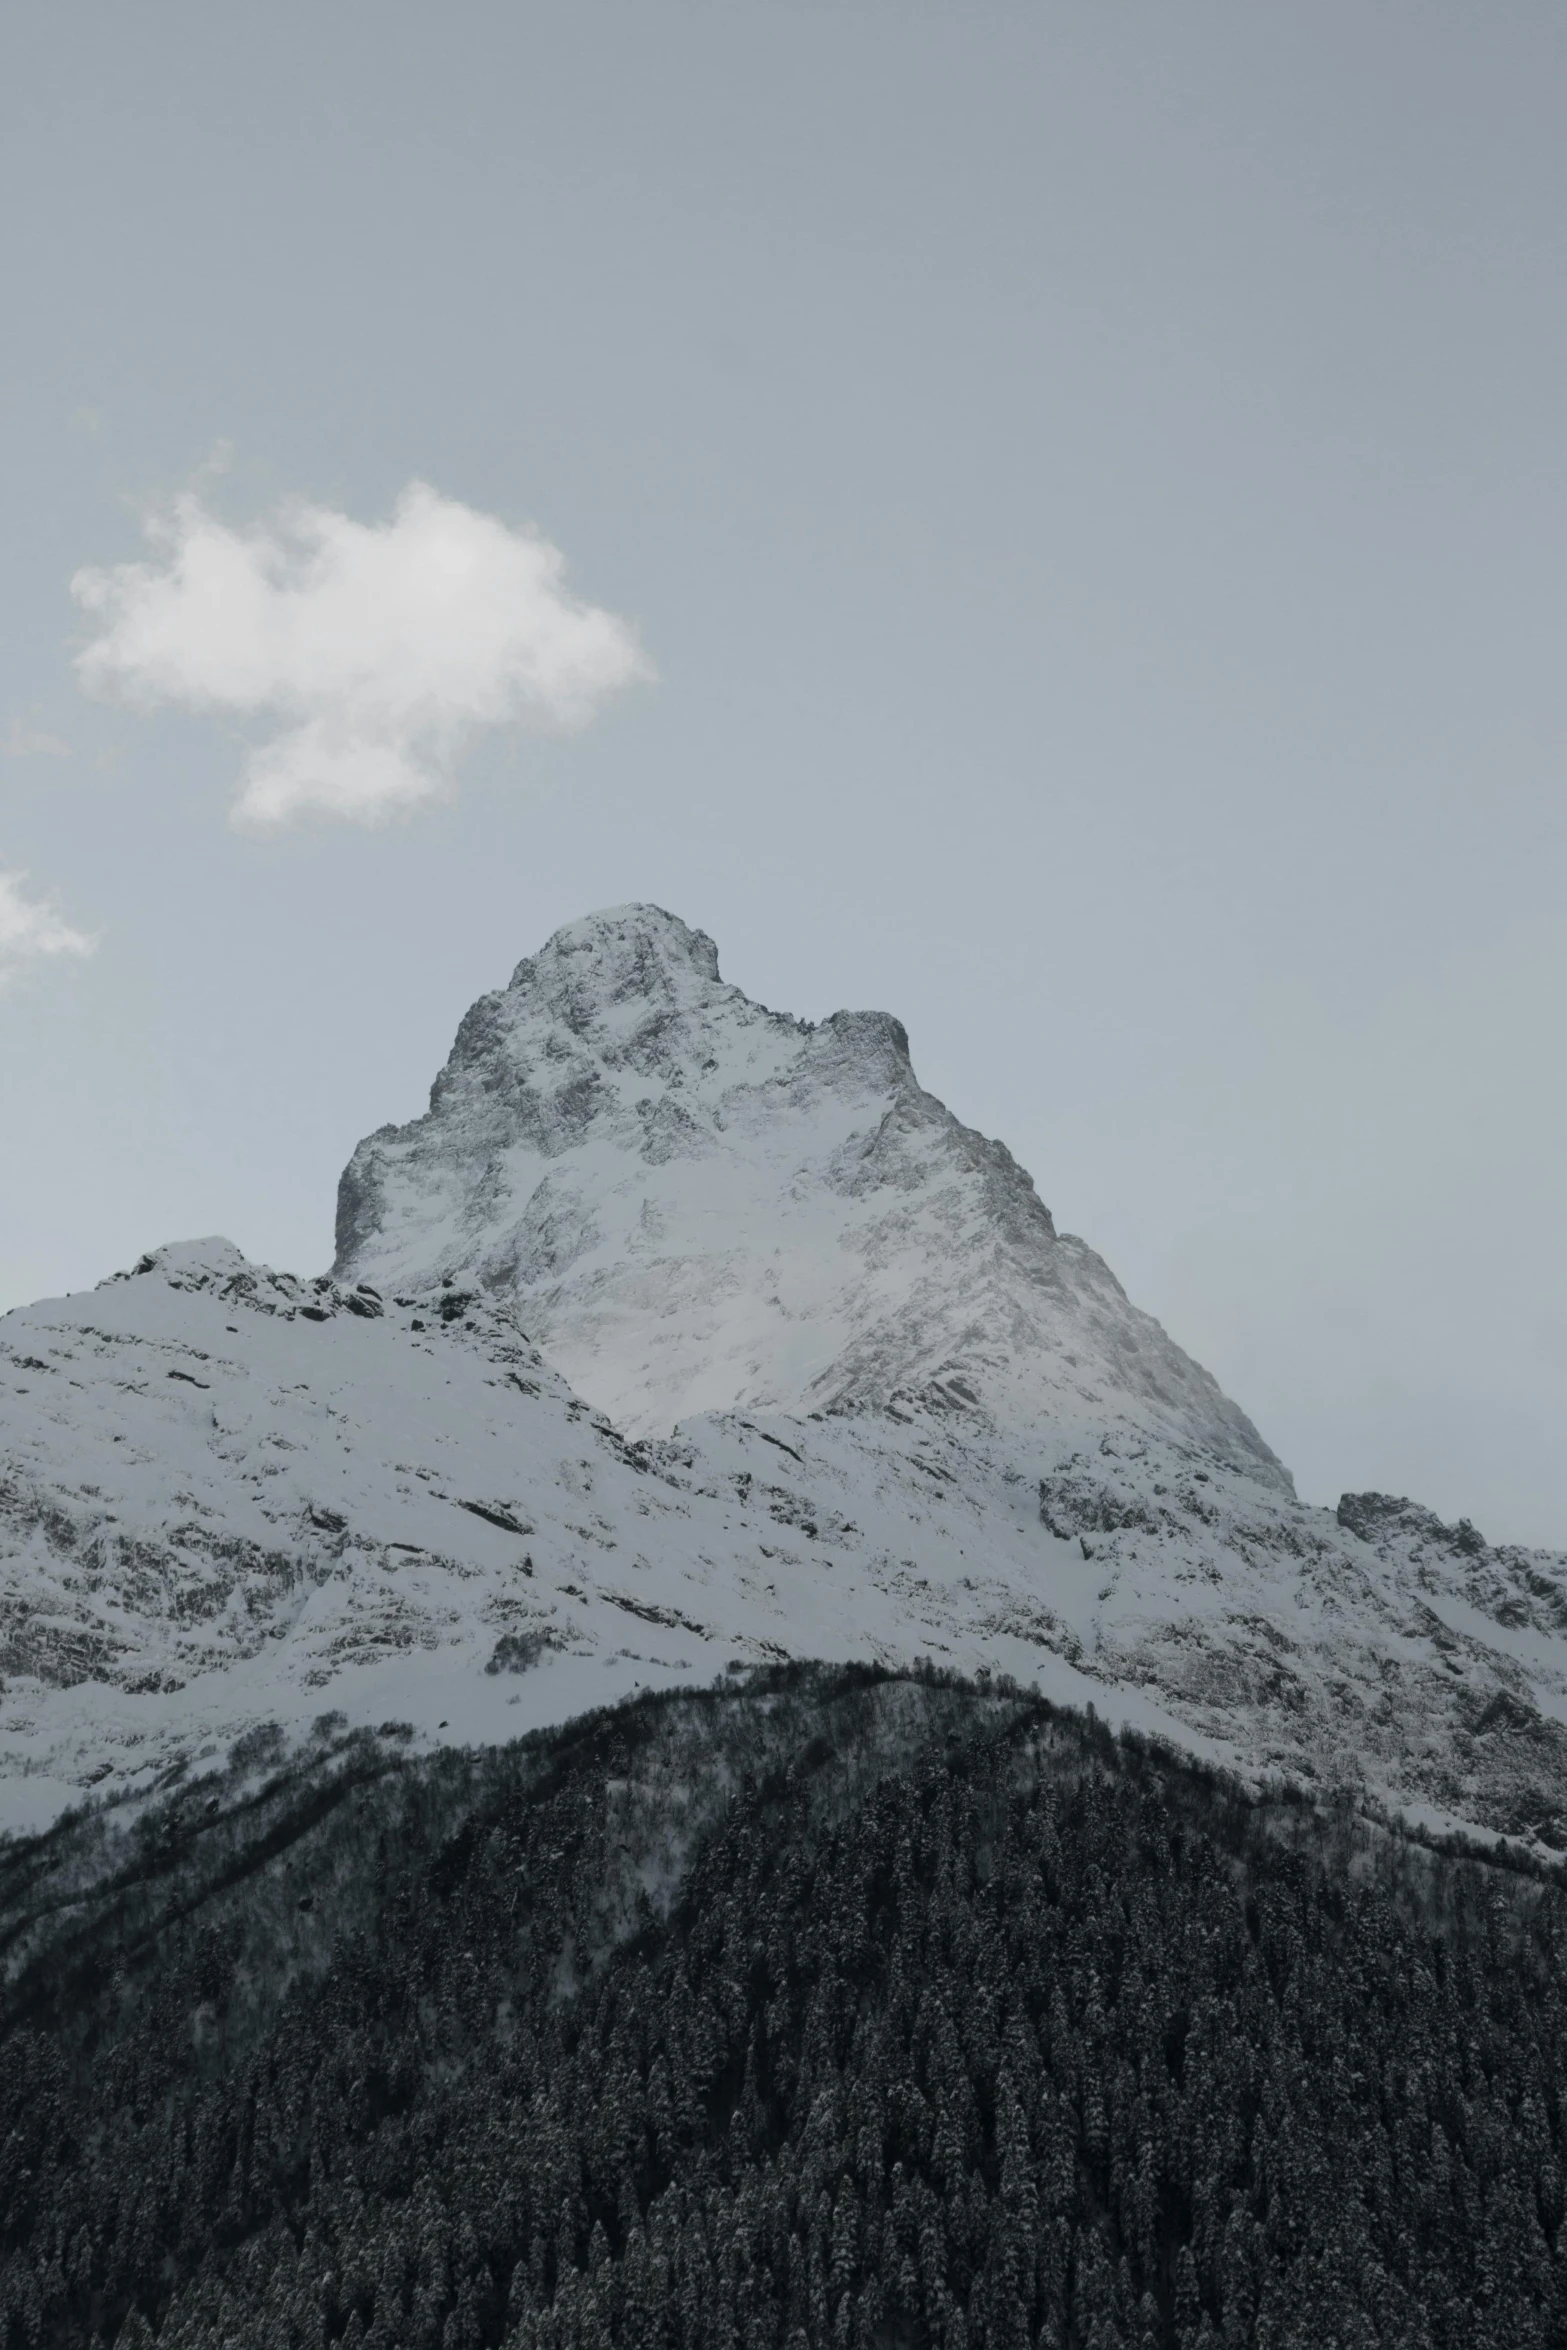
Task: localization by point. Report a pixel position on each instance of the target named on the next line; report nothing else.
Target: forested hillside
(823, 2010)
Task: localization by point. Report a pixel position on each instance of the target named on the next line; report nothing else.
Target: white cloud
(381, 649)
(29, 927)
(30, 742)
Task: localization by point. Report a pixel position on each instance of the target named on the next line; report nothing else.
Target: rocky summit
(682, 1336)
(698, 1204)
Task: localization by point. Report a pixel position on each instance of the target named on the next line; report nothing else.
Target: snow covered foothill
(678, 1337)
(231, 1497)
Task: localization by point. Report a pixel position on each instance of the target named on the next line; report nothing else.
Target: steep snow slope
(228, 1497)
(699, 1204)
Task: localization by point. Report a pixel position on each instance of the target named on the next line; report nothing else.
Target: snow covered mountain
(908, 1418)
(697, 1203)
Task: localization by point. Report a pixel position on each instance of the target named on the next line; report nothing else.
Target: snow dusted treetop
(700, 1204)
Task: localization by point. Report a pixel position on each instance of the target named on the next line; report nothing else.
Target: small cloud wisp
(31, 742)
(31, 928)
(382, 650)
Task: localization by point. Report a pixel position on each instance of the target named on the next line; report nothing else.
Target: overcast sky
(1048, 520)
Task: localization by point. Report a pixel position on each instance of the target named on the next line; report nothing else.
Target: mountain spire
(697, 1203)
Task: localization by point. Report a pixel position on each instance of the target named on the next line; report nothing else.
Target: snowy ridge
(231, 1497)
(912, 1420)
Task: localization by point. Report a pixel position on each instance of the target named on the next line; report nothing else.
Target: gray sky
(1092, 484)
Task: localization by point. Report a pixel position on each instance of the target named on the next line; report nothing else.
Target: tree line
(835, 2012)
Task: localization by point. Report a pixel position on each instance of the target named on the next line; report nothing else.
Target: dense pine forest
(819, 2012)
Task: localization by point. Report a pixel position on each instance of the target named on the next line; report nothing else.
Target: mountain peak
(622, 953)
(699, 1204)
(916, 1419)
